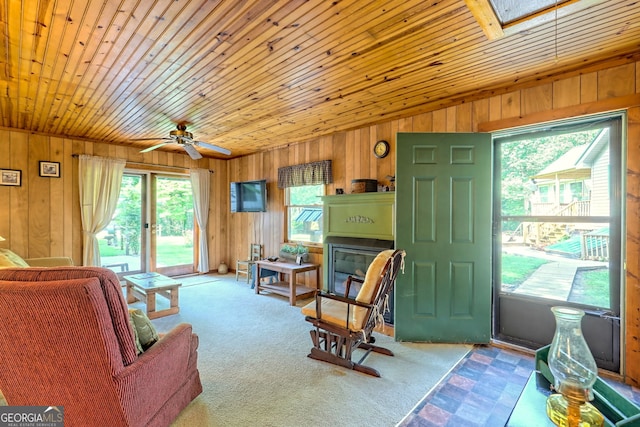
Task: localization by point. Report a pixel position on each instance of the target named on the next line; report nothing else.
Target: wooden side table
(289, 289)
(145, 286)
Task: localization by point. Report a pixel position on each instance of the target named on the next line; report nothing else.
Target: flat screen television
(249, 196)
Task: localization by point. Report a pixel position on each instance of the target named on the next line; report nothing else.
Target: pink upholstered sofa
(66, 340)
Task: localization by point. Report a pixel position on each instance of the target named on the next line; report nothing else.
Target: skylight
(509, 11)
(499, 18)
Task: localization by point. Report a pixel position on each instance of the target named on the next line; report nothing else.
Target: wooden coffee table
(289, 288)
(145, 287)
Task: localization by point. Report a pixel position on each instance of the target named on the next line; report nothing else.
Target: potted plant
(291, 252)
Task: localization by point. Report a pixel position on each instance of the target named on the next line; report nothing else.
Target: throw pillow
(147, 334)
(135, 334)
(11, 259)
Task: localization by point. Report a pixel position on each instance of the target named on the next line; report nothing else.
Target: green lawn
(591, 287)
(516, 269)
(108, 251)
(174, 251)
(170, 250)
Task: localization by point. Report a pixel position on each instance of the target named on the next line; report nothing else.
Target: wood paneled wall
(42, 217)
(616, 87)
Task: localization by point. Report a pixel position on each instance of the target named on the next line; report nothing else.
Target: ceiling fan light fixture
(180, 133)
(185, 139)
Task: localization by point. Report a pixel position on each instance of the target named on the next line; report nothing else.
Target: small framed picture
(10, 177)
(50, 169)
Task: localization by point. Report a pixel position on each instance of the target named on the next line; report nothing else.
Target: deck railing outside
(575, 208)
(595, 246)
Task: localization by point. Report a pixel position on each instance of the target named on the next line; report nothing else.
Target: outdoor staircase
(544, 234)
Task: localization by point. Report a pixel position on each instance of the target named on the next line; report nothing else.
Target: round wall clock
(381, 149)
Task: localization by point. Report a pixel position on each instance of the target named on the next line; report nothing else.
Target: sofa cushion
(9, 258)
(111, 288)
(145, 332)
(336, 313)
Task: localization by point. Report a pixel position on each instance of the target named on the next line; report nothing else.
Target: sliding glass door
(123, 241)
(557, 233)
(172, 226)
(153, 228)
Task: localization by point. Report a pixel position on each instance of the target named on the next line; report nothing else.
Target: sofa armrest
(49, 261)
(157, 374)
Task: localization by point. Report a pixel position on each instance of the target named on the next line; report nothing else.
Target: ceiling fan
(185, 139)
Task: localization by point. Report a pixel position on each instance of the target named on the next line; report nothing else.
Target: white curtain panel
(200, 184)
(100, 180)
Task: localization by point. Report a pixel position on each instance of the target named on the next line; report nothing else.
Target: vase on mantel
(574, 371)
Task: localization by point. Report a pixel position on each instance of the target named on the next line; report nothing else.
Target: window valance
(305, 174)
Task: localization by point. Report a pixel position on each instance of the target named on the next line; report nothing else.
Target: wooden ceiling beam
(483, 12)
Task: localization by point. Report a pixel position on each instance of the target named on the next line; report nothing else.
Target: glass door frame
(125, 268)
(148, 210)
(152, 228)
(516, 312)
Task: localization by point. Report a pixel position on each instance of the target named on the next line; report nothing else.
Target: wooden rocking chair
(343, 324)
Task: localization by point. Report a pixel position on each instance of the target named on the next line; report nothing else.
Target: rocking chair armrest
(350, 301)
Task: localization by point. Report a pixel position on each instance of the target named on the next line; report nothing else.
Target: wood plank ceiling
(256, 74)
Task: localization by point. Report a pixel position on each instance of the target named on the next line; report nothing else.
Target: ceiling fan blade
(151, 139)
(153, 147)
(212, 147)
(190, 149)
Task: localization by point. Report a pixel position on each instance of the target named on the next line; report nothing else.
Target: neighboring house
(576, 184)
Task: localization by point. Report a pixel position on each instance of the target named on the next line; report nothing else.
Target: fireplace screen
(352, 257)
(349, 262)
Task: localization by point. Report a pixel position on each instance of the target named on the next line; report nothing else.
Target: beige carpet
(255, 371)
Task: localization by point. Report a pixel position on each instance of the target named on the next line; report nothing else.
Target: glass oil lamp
(574, 371)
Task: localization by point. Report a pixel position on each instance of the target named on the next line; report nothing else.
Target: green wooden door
(443, 221)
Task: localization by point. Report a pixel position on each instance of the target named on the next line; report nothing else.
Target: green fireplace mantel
(363, 215)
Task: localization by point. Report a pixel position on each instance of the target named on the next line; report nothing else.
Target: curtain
(100, 180)
(200, 184)
(305, 174)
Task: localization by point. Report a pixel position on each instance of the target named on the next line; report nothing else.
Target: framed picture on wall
(50, 169)
(10, 177)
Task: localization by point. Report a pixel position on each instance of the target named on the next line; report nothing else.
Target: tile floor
(481, 391)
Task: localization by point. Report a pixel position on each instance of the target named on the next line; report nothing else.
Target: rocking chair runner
(343, 324)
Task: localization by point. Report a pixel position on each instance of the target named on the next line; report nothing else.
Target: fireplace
(357, 227)
(350, 256)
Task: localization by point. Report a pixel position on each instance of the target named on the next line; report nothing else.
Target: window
(499, 18)
(304, 213)
(304, 184)
(153, 227)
